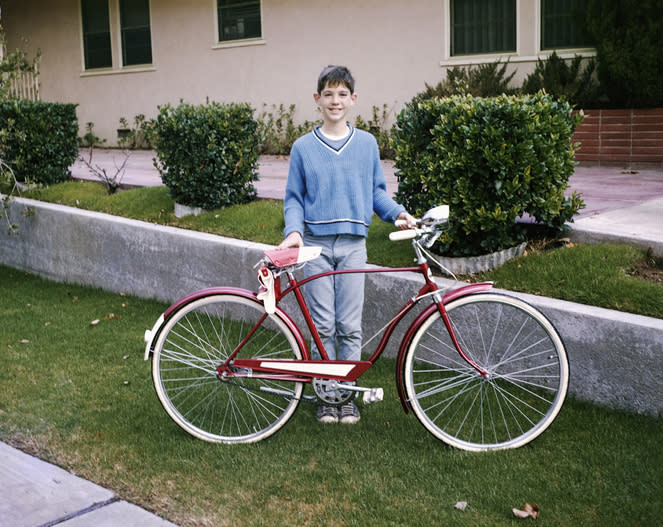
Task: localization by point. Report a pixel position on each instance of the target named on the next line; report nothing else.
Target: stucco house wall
(392, 47)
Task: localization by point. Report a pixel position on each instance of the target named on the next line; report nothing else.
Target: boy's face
(335, 102)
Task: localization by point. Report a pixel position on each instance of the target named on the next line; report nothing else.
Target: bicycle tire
(519, 348)
(198, 338)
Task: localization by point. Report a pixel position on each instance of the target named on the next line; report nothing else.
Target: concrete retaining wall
(615, 357)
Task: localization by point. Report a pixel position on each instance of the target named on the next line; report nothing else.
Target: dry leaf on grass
(528, 511)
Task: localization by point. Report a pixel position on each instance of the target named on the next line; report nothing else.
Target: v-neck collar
(336, 146)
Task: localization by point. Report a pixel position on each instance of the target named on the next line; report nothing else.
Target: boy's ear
(316, 97)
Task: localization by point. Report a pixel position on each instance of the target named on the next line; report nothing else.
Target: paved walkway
(620, 205)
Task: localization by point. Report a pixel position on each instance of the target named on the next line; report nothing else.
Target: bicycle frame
(343, 371)
(480, 370)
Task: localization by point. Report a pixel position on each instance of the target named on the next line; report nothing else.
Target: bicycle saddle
(288, 257)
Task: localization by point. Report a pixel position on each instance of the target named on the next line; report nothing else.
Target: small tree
(574, 81)
(629, 38)
(484, 80)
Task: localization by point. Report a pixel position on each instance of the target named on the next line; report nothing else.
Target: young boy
(335, 183)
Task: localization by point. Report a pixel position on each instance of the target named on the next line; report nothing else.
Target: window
(96, 34)
(239, 19)
(482, 26)
(562, 25)
(135, 29)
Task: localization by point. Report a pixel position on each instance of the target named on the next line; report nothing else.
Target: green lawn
(80, 395)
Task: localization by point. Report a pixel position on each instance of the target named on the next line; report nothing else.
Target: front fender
(152, 335)
(405, 343)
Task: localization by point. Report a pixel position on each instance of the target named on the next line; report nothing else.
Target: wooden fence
(24, 84)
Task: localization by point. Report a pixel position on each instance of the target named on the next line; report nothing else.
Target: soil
(651, 270)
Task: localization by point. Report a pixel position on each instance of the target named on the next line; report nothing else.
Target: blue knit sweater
(335, 186)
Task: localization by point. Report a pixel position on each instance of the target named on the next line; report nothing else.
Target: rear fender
(152, 335)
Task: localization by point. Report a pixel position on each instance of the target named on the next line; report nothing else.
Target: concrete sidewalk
(624, 206)
(621, 206)
(35, 493)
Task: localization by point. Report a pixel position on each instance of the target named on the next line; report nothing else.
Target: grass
(598, 275)
(80, 395)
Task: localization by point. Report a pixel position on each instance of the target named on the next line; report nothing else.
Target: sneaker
(349, 413)
(327, 414)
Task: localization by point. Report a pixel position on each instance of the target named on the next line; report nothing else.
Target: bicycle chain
(303, 398)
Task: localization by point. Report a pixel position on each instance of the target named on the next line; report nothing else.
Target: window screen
(562, 24)
(135, 27)
(239, 19)
(482, 26)
(96, 34)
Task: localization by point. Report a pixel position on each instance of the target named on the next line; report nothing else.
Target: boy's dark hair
(335, 75)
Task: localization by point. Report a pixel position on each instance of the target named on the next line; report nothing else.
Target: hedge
(492, 161)
(39, 140)
(207, 155)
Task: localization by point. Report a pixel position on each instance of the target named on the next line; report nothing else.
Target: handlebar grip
(399, 223)
(402, 235)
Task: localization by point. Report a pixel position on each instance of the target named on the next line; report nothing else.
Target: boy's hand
(408, 222)
(294, 239)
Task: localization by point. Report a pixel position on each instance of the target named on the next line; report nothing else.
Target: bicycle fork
(438, 305)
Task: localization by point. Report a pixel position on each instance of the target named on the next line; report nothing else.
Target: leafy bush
(278, 130)
(380, 130)
(39, 140)
(492, 160)
(485, 80)
(207, 155)
(139, 136)
(571, 81)
(90, 139)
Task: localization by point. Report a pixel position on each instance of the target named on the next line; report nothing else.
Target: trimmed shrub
(39, 140)
(207, 155)
(491, 160)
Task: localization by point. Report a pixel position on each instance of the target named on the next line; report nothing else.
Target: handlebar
(431, 224)
(404, 234)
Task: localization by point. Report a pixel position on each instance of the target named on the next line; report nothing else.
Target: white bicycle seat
(288, 257)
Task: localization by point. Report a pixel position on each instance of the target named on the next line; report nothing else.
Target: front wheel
(195, 340)
(526, 382)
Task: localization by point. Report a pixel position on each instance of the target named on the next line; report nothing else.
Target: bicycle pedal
(374, 395)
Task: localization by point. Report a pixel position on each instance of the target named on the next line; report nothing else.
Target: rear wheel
(195, 341)
(527, 370)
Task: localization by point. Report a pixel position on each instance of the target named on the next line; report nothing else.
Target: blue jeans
(336, 302)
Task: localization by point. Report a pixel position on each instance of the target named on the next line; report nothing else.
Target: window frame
(452, 25)
(122, 33)
(117, 52)
(532, 54)
(249, 41)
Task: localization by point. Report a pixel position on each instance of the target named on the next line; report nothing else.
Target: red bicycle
(480, 370)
